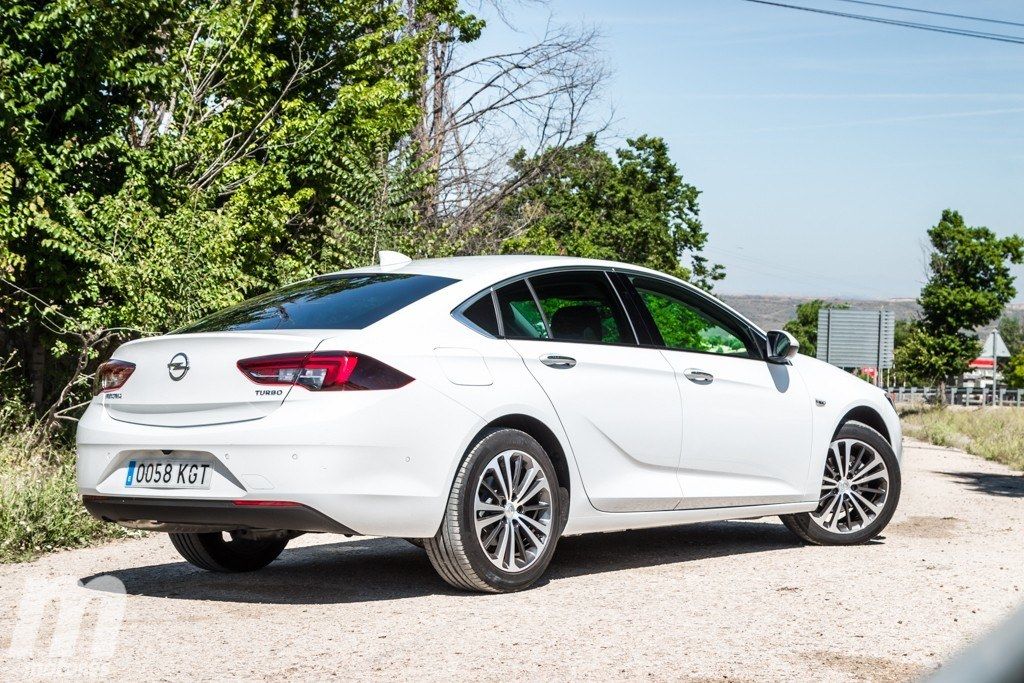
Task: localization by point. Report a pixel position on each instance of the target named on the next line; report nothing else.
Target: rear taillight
(324, 371)
(112, 375)
(266, 503)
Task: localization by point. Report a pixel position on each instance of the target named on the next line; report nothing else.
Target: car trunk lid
(193, 379)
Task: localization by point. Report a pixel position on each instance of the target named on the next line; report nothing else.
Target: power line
(934, 13)
(999, 37)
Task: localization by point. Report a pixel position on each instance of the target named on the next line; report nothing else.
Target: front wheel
(228, 552)
(501, 523)
(860, 489)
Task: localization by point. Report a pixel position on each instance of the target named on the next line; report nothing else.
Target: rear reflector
(267, 503)
(323, 371)
(112, 375)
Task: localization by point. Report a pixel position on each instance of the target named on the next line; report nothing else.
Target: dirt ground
(736, 601)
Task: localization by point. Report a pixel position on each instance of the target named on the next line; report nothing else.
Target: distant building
(984, 369)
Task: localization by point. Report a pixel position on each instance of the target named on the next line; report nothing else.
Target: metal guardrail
(959, 396)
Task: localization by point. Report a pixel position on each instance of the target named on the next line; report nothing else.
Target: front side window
(582, 306)
(335, 302)
(684, 326)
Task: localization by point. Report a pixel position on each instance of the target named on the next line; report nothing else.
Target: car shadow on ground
(371, 569)
(1006, 485)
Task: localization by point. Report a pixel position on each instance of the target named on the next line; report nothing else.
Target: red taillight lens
(266, 503)
(324, 371)
(313, 371)
(112, 375)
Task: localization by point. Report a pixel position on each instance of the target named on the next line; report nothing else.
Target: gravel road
(736, 601)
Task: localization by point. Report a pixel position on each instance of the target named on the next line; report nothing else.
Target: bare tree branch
(479, 111)
(85, 340)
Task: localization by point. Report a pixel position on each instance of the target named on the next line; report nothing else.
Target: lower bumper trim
(177, 514)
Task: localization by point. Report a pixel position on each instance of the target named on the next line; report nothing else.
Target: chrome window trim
(756, 334)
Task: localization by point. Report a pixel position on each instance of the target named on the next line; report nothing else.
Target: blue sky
(824, 147)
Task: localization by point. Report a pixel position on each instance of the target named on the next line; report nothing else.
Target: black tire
(456, 551)
(807, 530)
(418, 542)
(210, 551)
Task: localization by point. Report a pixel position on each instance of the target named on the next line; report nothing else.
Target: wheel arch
(544, 436)
(867, 416)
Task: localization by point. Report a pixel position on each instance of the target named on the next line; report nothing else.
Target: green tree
(635, 207)
(162, 159)
(968, 286)
(805, 325)
(1011, 329)
(1013, 373)
(904, 333)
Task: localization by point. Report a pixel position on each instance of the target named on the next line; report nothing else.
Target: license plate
(168, 474)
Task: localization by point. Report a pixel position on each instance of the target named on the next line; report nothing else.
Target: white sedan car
(481, 407)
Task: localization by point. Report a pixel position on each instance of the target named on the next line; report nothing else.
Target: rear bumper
(166, 514)
(376, 463)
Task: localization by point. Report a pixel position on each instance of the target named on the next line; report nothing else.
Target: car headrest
(581, 321)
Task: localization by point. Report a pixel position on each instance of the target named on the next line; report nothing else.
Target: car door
(618, 403)
(746, 422)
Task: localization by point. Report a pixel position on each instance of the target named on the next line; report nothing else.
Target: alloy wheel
(854, 488)
(512, 511)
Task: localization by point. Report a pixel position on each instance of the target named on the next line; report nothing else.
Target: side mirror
(781, 346)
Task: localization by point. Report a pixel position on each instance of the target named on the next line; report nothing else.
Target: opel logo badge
(178, 367)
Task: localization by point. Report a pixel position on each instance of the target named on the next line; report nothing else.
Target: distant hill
(772, 312)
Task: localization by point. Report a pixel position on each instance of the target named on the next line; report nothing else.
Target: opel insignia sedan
(480, 407)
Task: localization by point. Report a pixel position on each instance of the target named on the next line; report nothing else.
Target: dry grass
(993, 433)
(40, 509)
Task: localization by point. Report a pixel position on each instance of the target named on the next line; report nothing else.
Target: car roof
(478, 272)
(485, 267)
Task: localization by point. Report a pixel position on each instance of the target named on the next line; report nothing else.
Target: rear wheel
(503, 516)
(860, 489)
(228, 551)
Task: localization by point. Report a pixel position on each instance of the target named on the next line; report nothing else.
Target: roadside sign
(856, 339)
(994, 347)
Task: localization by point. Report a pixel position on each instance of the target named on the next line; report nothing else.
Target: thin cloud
(855, 96)
(893, 119)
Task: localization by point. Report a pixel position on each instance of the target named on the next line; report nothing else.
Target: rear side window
(520, 317)
(481, 313)
(582, 306)
(333, 302)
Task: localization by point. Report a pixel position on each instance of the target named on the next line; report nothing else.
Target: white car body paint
(620, 407)
(464, 366)
(765, 460)
(643, 447)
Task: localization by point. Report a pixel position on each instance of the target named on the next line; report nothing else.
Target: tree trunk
(37, 366)
(437, 131)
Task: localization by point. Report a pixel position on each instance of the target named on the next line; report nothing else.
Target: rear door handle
(698, 376)
(554, 360)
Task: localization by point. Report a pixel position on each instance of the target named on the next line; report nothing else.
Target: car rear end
(258, 419)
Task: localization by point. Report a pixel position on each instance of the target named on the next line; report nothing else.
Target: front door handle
(554, 360)
(698, 376)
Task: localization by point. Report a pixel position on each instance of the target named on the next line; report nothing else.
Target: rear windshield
(332, 302)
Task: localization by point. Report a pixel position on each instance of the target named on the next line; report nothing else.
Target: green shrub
(40, 511)
(39, 505)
